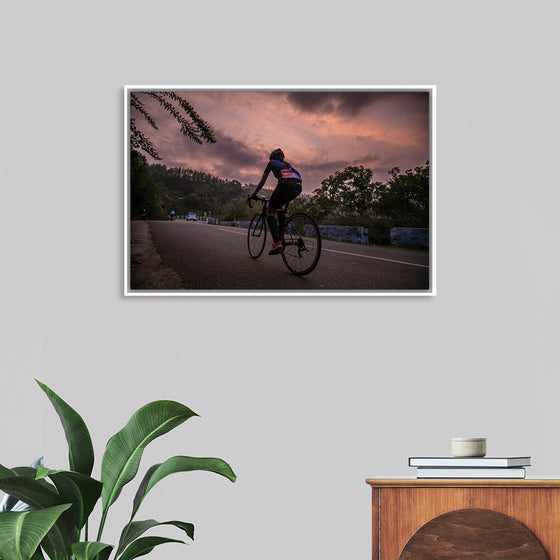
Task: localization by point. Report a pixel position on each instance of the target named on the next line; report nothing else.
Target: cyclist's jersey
(282, 170)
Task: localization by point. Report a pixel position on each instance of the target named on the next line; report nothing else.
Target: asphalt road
(209, 257)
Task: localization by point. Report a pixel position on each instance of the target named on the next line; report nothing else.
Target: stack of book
(470, 467)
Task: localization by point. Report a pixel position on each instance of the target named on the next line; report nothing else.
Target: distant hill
(189, 190)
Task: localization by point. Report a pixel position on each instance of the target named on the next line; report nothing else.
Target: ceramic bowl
(468, 447)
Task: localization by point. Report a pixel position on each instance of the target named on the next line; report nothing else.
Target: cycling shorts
(286, 190)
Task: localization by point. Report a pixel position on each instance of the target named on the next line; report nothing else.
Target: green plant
(62, 501)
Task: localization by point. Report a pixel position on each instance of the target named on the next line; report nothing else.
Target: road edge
(147, 270)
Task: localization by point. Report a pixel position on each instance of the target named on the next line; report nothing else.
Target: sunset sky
(320, 132)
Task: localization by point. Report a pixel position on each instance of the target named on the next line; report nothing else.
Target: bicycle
(301, 240)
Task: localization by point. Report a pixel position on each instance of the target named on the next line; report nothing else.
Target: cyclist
(288, 188)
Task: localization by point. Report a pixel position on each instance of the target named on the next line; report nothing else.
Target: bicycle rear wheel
(302, 244)
(256, 236)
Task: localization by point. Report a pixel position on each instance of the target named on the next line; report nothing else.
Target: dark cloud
(351, 103)
(347, 103)
(228, 157)
(326, 168)
(234, 153)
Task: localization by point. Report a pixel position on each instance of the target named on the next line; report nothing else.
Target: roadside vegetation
(350, 197)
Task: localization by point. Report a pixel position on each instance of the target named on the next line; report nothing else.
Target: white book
(478, 472)
(469, 462)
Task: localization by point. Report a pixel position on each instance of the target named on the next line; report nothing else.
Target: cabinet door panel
(403, 511)
(466, 534)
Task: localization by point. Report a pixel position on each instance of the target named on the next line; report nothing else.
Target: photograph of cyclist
(289, 187)
(335, 183)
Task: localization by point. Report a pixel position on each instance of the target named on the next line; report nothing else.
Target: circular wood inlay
(469, 534)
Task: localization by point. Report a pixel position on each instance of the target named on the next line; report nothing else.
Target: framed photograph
(285, 191)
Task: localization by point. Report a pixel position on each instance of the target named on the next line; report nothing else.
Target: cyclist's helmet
(277, 154)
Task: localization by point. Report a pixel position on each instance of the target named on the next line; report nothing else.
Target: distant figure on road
(288, 188)
(144, 214)
(172, 215)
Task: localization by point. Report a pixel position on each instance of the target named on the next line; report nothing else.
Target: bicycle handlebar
(252, 197)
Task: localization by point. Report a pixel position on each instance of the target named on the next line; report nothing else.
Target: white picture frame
(426, 287)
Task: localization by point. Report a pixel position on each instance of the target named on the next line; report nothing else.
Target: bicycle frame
(264, 201)
(306, 241)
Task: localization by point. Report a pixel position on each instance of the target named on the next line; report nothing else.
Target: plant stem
(101, 525)
(127, 527)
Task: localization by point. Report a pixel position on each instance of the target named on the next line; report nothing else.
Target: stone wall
(349, 234)
(410, 236)
(357, 234)
(238, 223)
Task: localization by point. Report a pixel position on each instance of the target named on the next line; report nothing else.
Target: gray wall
(376, 379)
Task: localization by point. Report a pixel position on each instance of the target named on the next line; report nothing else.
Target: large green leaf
(124, 450)
(58, 542)
(22, 532)
(39, 497)
(29, 491)
(132, 531)
(80, 448)
(31, 473)
(89, 550)
(79, 489)
(50, 550)
(5, 472)
(175, 465)
(11, 503)
(8, 502)
(38, 554)
(143, 546)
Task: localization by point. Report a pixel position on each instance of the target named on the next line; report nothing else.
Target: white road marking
(376, 258)
(231, 231)
(344, 252)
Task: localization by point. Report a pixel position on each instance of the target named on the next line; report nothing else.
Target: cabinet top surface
(463, 482)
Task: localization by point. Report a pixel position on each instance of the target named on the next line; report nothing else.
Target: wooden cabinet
(492, 518)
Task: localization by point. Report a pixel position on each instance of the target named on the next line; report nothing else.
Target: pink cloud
(320, 132)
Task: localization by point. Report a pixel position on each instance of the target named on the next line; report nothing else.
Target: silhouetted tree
(346, 193)
(351, 197)
(191, 124)
(145, 193)
(406, 197)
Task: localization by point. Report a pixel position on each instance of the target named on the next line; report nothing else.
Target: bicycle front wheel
(256, 236)
(302, 244)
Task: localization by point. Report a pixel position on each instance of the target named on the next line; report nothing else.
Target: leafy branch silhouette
(191, 124)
